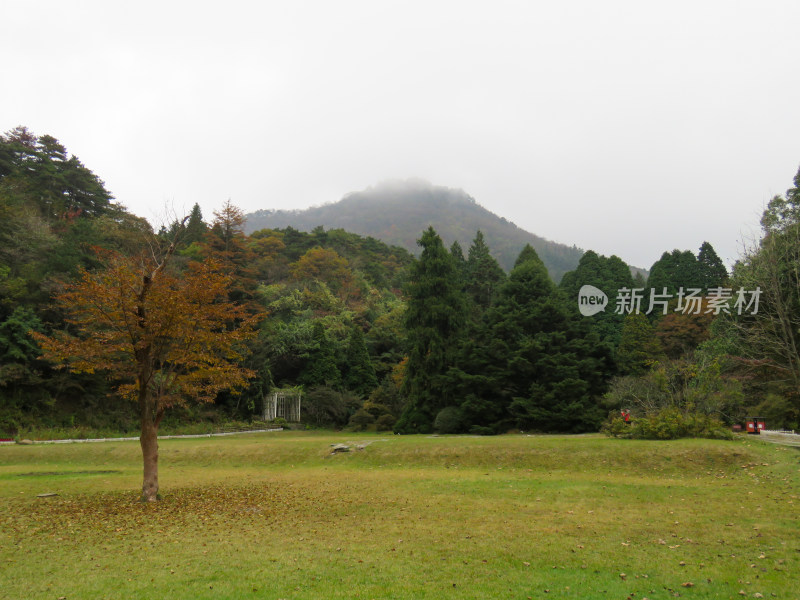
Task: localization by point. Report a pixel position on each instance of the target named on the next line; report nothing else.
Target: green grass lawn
(276, 516)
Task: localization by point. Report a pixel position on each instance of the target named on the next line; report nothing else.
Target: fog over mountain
(397, 212)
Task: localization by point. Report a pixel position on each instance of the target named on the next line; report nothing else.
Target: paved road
(781, 437)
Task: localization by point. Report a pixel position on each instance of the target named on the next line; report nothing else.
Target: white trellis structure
(283, 404)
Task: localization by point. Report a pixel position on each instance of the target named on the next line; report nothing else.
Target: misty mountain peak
(398, 211)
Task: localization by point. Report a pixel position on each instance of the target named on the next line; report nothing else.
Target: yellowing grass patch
(277, 516)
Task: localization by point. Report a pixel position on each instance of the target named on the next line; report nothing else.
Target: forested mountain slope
(397, 213)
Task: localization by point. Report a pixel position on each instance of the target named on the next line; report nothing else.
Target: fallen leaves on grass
(121, 514)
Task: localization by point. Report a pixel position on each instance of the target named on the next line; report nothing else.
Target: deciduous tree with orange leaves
(167, 338)
(325, 264)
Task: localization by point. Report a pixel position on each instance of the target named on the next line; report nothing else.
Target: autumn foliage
(180, 326)
(166, 338)
(324, 264)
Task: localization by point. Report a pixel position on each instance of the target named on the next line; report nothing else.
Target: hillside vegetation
(397, 212)
(374, 337)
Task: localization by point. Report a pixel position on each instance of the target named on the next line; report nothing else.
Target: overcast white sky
(627, 127)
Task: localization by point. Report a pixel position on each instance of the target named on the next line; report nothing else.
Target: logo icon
(591, 300)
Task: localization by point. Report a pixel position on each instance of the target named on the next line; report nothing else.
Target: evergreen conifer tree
(608, 274)
(712, 270)
(484, 274)
(458, 254)
(472, 378)
(195, 227)
(675, 270)
(434, 324)
(549, 366)
(226, 241)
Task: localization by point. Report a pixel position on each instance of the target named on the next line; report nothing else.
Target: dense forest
(447, 339)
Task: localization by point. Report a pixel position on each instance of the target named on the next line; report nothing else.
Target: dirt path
(136, 439)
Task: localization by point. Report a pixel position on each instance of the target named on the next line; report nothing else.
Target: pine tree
(527, 254)
(195, 227)
(434, 324)
(39, 172)
(458, 257)
(225, 241)
(712, 270)
(484, 274)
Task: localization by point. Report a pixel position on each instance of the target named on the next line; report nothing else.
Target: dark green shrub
(375, 409)
(481, 430)
(361, 420)
(385, 422)
(388, 395)
(413, 421)
(449, 420)
(323, 406)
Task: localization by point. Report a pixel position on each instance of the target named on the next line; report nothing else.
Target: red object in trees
(755, 425)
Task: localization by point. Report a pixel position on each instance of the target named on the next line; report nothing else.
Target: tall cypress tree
(484, 273)
(472, 378)
(675, 270)
(460, 263)
(457, 253)
(434, 324)
(608, 274)
(712, 270)
(551, 367)
(195, 227)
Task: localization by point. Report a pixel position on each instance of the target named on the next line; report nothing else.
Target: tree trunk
(149, 442)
